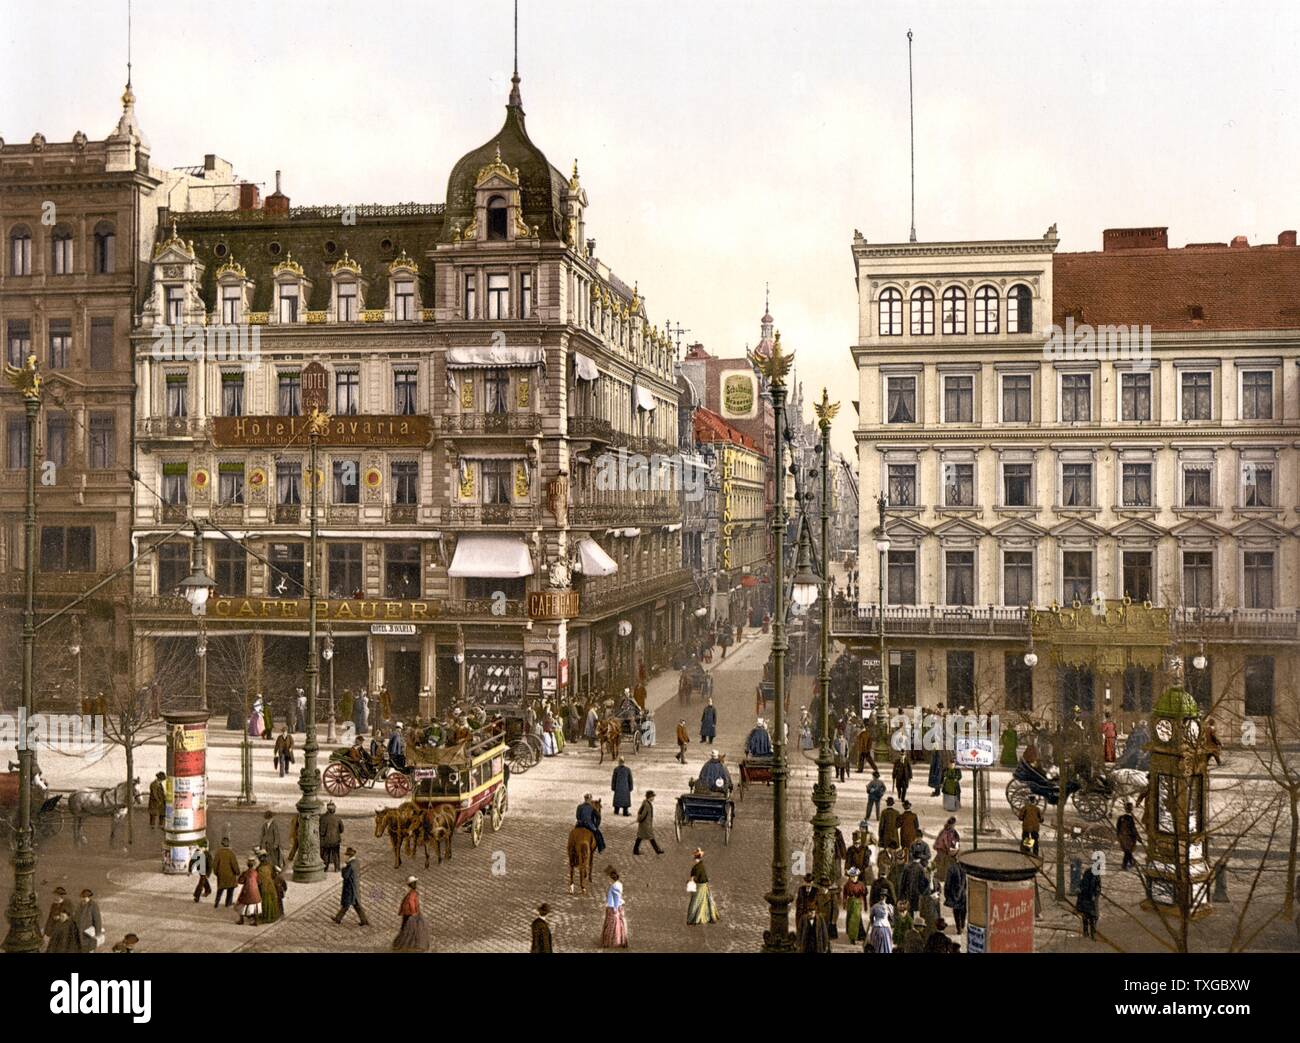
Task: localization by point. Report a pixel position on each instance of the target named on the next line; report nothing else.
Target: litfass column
(185, 818)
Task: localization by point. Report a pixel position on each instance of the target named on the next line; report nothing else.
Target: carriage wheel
(521, 756)
(744, 783)
(476, 828)
(51, 822)
(679, 820)
(534, 744)
(728, 820)
(398, 784)
(1092, 806)
(339, 780)
(1017, 794)
(498, 809)
(636, 740)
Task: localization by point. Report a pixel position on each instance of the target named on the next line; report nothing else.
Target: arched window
(954, 311)
(61, 250)
(496, 214)
(1020, 310)
(922, 312)
(105, 248)
(891, 313)
(986, 310)
(20, 250)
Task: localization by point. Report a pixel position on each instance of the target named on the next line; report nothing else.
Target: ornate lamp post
(75, 648)
(778, 938)
(197, 587)
(882, 549)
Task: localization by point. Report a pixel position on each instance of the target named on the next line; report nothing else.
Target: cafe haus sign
(297, 608)
(231, 432)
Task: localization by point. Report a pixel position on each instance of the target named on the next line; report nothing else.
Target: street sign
(974, 753)
(402, 629)
(870, 698)
(315, 388)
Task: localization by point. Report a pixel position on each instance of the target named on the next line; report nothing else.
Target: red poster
(187, 762)
(1011, 917)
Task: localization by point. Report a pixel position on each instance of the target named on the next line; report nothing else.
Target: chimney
(1239, 242)
(1286, 238)
(277, 202)
(1114, 239)
(250, 198)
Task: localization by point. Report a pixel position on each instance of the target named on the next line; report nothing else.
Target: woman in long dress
(549, 746)
(250, 896)
(256, 722)
(414, 935)
(946, 847)
(614, 935)
(855, 896)
(701, 908)
(881, 938)
(952, 789)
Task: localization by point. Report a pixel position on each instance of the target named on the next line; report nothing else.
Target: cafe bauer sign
(257, 432)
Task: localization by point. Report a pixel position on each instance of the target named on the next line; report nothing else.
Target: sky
(723, 145)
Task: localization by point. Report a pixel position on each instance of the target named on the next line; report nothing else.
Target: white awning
(593, 559)
(484, 358)
(491, 557)
(672, 528)
(583, 367)
(644, 400)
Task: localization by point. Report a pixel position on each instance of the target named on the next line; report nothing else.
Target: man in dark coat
(862, 747)
(940, 942)
(90, 929)
(1127, 831)
(59, 905)
(889, 824)
(351, 888)
(270, 840)
(902, 775)
(61, 932)
(226, 865)
(621, 784)
(331, 836)
(542, 931)
(708, 723)
(954, 893)
(589, 818)
(810, 917)
(909, 826)
(157, 800)
(1089, 904)
(914, 883)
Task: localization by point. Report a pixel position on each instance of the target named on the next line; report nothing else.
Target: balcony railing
(492, 423)
(482, 608)
(403, 513)
(628, 594)
(70, 583)
(288, 513)
(228, 513)
(596, 428)
(492, 514)
(342, 513)
(174, 513)
(625, 514)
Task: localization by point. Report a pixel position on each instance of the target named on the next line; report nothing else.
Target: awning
(644, 400)
(491, 358)
(491, 557)
(583, 367)
(672, 528)
(593, 559)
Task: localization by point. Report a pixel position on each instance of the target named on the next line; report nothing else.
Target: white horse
(112, 801)
(1127, 783)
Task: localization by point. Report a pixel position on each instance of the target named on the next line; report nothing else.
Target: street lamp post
(775, 366)
(328, 653)
(75, 649)
(882, 549)
(24, 934)
(197, 587)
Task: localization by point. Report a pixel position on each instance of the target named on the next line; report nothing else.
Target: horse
(609, 733)
(582, 852)
(1129, 782)
(396, 822)
(113, 801)
(437, 824)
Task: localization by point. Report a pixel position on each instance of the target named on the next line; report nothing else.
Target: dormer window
(345, 302)
(231, 301)
(288, 302)
(290, 289)
(497, 215)
(403, 300)
(174, 299)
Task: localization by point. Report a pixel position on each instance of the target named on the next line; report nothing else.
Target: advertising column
(1001, 899)
(185, 820)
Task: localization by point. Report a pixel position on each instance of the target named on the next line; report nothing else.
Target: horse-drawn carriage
(1092, 793)
(694, 679)
(47, 811)
(701, 804)
(620, 727)
(523, 748)
(754, 769)
(346, 771)
(467, 781)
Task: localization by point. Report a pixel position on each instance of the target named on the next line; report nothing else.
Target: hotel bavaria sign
(257, 432)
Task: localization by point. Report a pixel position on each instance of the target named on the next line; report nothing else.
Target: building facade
(1085, 433)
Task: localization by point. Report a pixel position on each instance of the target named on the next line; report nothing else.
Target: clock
(1192, 729)
(1164, 730)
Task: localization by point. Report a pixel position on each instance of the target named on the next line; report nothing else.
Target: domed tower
(764, 346)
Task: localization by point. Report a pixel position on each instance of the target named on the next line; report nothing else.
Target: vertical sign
(315, 388)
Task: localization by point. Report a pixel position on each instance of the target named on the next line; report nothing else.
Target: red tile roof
(1236, 288)
(709, 427)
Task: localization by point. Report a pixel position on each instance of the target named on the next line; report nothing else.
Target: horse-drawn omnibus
(469, 779)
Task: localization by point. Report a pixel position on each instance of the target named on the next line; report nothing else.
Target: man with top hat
(351, 896)
(331, 836)
(889, 825)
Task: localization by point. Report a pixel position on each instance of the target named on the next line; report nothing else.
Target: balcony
(594, 428)
(403, 513)
(174, 513)
(69, 583)
(492, 424)
(342, 513)
(482, 608)
(523, 515)
(288, 513)
(629, 594)
(625, 514)
(227, 513)
(171, 427)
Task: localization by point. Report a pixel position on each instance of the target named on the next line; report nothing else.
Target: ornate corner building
(1109, 437)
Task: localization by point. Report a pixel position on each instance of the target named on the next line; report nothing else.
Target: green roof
(1176, 702)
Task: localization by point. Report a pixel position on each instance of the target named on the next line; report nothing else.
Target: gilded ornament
(402, 261)
(288, 266)
(825, 409)
(232, 267)
(775, 366)
(496, 169)
(346, 264)
(25, 379)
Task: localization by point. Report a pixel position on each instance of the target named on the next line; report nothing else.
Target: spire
(516, 99)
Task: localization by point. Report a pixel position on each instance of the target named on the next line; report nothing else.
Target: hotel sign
(552, 604)
(260, 432)
(296, 609)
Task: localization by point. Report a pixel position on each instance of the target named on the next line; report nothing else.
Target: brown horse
(436, 824)
(582, 852)
(610, 734)
(396, 822)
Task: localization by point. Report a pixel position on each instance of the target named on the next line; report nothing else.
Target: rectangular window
(16, 444)
(177, 395)
(902, 678)
(288, 567)
(902, 400)
(105, 252)
(174, 304)
(958, 400)
(1017, 398)
(1135, 396)
(231, 303)
(1076, 398)
(1018, 577)
(405, 385)
(1076, 576)
(406, 482)
(1137, 575)
(19, 341)
(496, 386)
(1078, 686)
(404, 300)
(1196, 396)
(958, 485)
(902, 485)
(1139, 689)
(1196, 486)
(62, 249)
(1198, 579)
(60, 343)
(347, 481)
(1259, 685)
(103, 441)
(288, 483)
(1076, 485)
(1019, 682)
(402, 570)
(959, 576)
(58, 438)
(288, 310)
(230, 568)
(902, 577)
(526, 295)
(1136, 485)
(346, 308)
(1257, 395)
(230, 483)
(471, 307)
(347, 392)
(101, 344)
(1017, 482)
(1257, 568)
(20, 253)
(289, 398)
(961, 679)
(175, 483)
(67, 549)
(345, 570)
(1256, 484)
(498, 478)
(173, 567)
(232, 394)
(498, 296)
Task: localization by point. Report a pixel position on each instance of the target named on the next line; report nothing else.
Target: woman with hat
(414, 935)
(855, 896)
(614, 935)
(701, 908)
(250, 895)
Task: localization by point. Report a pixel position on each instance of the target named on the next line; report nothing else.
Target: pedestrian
(270, 840)
(954, 893)
(61, 931)
(862, 748)
(414, 933)
(918, 848)
(645, 825)
(914, 883)
(951, 788)
(1030, 821)
(888, 835)
(855, 894)
(881, 937)
(127, 944)
(1010, 743)
(938, 941)
(909, 826)
(946, 846)
(58, 905)
(271, 886)
(936, 771)
(875, 791)
(840, 747)
(201, 860)
(902, 774)
(541, 931)
(90, 928)
(700, 908)
(683, 739)
(250, 895)
(810, 918)
(621, 783)
(1108, 737)
(614, 933)
(590, 729)
(283, 751)
(226, 865)
(351, 898)
(708, 723)
(157, 800)
(1213, 745)
(331, 836)
(256, 717)
(858, 855)
(300, 714)
(1127, 831)
(1089, 903)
